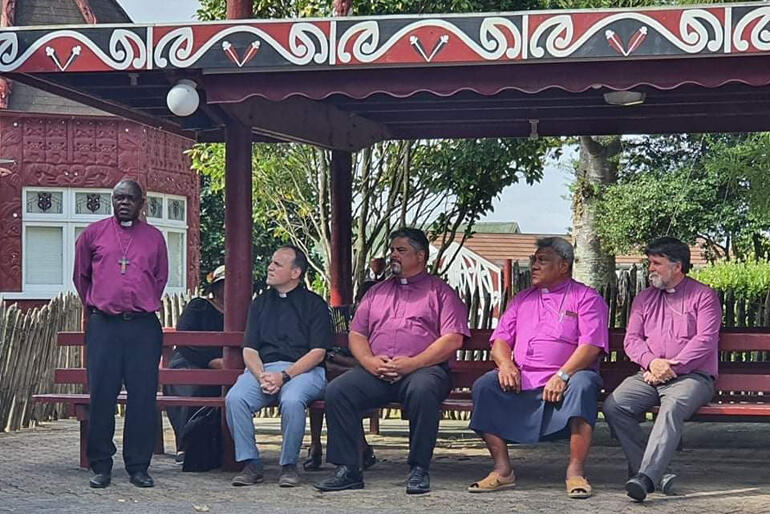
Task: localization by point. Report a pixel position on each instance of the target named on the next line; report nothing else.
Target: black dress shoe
(418, 481)
(142, 479)
(639, 486)
(100, 480)
(344, 478)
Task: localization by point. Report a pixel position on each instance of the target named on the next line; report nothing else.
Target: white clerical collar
(126, 224)
(671, 290)
(403, 281)
(282, 295)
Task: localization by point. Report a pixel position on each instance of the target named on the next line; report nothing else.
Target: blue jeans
(246, 397)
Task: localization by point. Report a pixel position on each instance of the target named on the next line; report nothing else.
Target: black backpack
(202, 440)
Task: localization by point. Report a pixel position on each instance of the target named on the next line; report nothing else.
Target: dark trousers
(122, 352)
(179, 416)
(357, 391)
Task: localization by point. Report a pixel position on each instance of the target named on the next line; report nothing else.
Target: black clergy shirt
(284, 327)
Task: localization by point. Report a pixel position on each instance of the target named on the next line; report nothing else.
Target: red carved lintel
(86, 11)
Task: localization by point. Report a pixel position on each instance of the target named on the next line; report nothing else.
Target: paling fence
(29, 354)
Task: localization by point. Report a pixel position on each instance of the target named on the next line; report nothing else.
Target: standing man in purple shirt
(673, 335)
(404, 334)
(546, 347)
(121, 268)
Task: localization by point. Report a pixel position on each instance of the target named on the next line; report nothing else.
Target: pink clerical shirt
(544, 327)
(98, 274)
(403, 316)
(680, 324)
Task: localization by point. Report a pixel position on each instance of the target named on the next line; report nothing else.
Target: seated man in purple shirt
(404, 333)
(673, 335)
(546, 386)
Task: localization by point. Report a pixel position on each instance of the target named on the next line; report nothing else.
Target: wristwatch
(285, 376)
(563, 375)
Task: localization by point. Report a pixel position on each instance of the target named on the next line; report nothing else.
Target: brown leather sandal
(578, 487)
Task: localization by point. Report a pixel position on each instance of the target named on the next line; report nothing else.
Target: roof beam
(307, 121)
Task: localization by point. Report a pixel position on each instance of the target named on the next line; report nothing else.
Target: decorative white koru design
(493, 43)
(693, 34)
(760, 34)
(126, 49)
(307, 43)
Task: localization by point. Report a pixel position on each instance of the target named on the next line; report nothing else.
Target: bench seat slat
(162, 401)
(165, 376)
(171, 337)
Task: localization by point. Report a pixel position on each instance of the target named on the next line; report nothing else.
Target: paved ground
(724, 469)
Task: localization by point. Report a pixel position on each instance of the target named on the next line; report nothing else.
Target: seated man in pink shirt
(673, 335)
(546, 347)
(403, 334)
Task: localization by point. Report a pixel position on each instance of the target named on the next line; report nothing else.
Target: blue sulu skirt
(525, 417)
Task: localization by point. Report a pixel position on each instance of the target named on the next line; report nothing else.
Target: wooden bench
(743, 385)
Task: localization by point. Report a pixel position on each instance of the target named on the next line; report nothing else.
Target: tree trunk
(596, 169)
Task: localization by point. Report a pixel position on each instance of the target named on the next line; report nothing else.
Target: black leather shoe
(344, 478)
(418, 481)
(639, 486)
(100, 480)
(142, 479)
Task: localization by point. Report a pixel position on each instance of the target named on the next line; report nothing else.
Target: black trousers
(179, 416)
(121, 352)
(357, 391)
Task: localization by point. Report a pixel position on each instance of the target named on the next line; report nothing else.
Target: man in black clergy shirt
(288, 332)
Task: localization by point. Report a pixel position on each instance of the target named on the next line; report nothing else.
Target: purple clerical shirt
(403, 316)
(97, 274)
(544, 327)
(680, 324)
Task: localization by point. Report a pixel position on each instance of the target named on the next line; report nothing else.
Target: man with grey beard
(673, 335)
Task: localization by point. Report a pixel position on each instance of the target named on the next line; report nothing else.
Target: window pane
(78, 231)
(44, 202)
(176, 210)
(176, 274)
(154, 206)
(93, 203)
(43, 256)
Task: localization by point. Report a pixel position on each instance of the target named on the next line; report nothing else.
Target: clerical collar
(126, 224)
(557, 288)
(288, 293)
(679, 286)
(413, 279)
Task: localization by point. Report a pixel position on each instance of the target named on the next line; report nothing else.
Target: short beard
(395, 268)
(657, 281)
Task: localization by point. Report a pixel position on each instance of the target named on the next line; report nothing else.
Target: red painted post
(341, 268)
(239, 9)
(507, 285)
(238, 261)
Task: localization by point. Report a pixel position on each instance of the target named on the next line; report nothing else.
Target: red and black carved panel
(391, 41)
(88, 152)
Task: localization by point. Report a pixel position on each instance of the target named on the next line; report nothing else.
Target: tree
(694, 187)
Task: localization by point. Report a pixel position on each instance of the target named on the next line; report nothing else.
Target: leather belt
(126, 316)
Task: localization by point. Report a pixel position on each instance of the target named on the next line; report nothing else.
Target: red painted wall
(88, 151)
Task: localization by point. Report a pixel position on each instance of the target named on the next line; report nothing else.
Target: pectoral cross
(123, 263)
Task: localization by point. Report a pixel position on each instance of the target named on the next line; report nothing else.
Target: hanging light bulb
(183, 99)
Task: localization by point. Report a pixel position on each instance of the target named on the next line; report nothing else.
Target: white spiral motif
(302, 45)
(492, 45)
(122, 50)
(693, 34)
(9, 47)
(180, 43)
(760, 34)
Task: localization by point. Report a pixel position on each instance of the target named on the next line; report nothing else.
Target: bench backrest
(744, 360)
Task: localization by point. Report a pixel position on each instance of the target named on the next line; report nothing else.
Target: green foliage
(690, 186)
(750, 280)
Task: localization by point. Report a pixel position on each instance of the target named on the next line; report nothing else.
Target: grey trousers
(678, 400)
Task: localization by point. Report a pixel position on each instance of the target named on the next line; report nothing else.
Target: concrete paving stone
(723, 468)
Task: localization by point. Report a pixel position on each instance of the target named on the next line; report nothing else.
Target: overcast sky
(542, 208)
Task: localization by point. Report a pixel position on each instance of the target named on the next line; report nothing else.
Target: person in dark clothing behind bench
(200, 315)
(121, 269)
(287, 334)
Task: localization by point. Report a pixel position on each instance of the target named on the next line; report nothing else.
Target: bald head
(127, 200)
